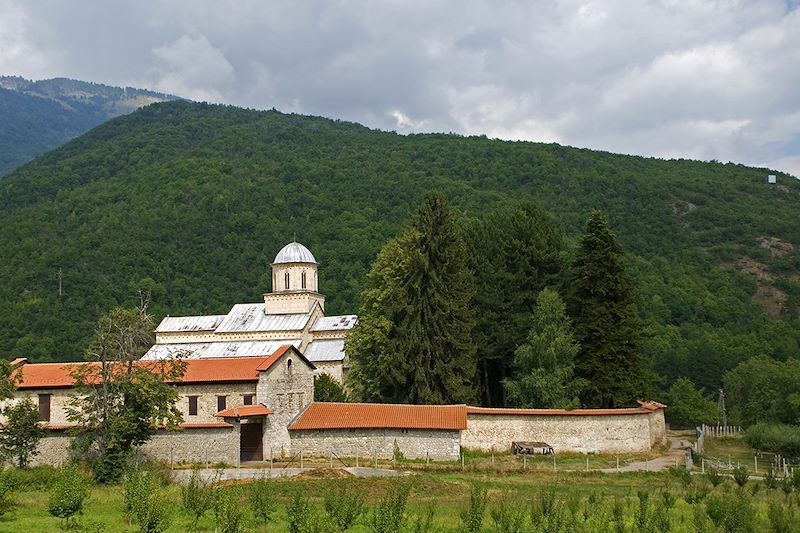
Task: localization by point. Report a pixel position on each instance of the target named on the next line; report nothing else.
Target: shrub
(787, 486)
(262, 501)
(782, 519)
(472, 517)
(228, 510)
(7, 486)
(197, 496)
(145, 503)
(731, 514)
(770, 480)
(389, 515)
(778, 438)
(344, 505)
(424, 522)
(302, 518)
(508, 517)
(713, 476)
(68, 494)
(21, 432)
(327, 389)
(741, 475)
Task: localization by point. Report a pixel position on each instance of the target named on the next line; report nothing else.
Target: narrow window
(222, 403)
(286, 281)
(44, 407)
(289, 367)
(303, 279)
(247, 399)
(192, 405)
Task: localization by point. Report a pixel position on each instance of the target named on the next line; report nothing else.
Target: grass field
(591, 499)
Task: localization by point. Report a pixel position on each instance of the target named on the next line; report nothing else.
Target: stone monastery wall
(438, 445)
(589, 433)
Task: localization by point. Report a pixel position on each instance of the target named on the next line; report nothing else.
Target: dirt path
(676, 455)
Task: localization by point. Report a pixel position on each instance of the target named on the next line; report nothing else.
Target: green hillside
(37, 116)
(193, 201)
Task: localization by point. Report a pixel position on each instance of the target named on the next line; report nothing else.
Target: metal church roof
(294, 252)
(251, 317)
(216, 350)
(176, 324)
(325, 350)
(334, 323)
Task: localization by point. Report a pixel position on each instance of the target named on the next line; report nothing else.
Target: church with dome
(292, 314)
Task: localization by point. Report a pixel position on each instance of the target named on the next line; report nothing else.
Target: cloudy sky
(705, 79)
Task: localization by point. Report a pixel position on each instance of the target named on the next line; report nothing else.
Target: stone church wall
(630, 433)
(439, 445)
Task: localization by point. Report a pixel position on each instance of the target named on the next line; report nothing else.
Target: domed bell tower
(294, 282)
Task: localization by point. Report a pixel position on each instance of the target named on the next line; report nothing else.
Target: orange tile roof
(245, 411)
(557, 412)
(320, 415)
(231, 370)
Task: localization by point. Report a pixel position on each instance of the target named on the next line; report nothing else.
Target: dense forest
(192, 201)
(40, 115)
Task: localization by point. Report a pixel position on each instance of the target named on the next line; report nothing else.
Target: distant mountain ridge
(37, 116)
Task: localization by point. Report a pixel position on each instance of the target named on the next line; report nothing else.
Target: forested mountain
(37, 116)
(192, 201)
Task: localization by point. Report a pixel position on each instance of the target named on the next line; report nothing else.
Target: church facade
(292, 314)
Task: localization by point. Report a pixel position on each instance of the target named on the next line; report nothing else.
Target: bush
(302, 518)
(713, 476)
(741, 475)
(21, 432)
(197, 496)
(770, 480)
(731, 514)
(782, 519)
(472, 517)
(344, 505)
(68, 494)
(776, 438)
(145, 503)
(389, 515)
(7, 485)
(228, 510)
(327, 389)
(508, 516)
(262, 501)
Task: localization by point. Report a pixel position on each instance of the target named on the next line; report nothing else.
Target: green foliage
(688, 406)
(389, 516)
(119, 404)
(731, 513)
(600, 303)
(776, 438)
(741, 475)
(303, 517)
(508, 516)
(327, 389)
(472, 516)
(544, 365)
(20, 435)
(783, 519)
(515, 250)
(413, 342)
(344, 505)
(713, 476)
(67, 495)
(229, 513)
(145, 503)
(197, 497)
(762, 389)
(262, 500)
(7, 486)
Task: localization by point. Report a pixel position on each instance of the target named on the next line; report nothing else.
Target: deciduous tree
(21, 433)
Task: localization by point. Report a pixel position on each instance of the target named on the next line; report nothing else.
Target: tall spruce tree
(600, 301)
(544, 366)
(514, 252)
(413, 342)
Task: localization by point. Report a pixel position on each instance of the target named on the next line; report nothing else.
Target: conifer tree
(600, 305)
(414, 342)
(544, 366)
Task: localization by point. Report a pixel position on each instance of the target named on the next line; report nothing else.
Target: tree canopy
(413, 343)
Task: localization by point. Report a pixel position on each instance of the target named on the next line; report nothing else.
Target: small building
(772, 179)
(233, 409)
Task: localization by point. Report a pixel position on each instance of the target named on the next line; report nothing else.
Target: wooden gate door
(251, 448)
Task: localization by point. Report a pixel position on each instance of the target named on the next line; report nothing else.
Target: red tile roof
(376, 416)
(232, 370)
(245, 411)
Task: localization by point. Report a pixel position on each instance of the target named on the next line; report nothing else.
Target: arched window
(286, 281)
(303, 279)
(289, 367)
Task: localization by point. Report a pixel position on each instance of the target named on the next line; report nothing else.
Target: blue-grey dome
(294, 252)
